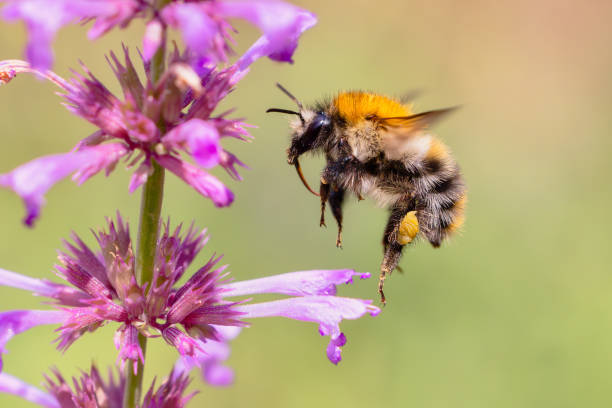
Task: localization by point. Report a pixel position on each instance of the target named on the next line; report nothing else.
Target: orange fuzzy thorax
(355, 106)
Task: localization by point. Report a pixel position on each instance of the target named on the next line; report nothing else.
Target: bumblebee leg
(392, 224)
(336, 198)
(324, 190)
(401, 229)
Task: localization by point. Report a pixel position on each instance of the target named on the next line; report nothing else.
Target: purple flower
(44, 18)
(210, 360)
(205, 30)
(203, 24)
(281, 23)
(182, 101)
(17, 321)
(198, 318)
(32, 180)
(91, 391)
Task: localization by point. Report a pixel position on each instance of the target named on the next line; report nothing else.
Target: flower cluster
(158, 117)
(128, 128)
(91, 391)
(165, 119)
(203, 24)
(188, 316)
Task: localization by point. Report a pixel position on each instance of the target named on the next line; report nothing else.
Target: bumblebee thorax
(357, 106)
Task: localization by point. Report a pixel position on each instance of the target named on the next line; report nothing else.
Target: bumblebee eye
(307, 140)
(320, 120)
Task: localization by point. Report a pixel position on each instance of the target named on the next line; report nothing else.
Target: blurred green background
(514, 312)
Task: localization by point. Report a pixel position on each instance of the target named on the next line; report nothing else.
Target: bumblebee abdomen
(441, 194)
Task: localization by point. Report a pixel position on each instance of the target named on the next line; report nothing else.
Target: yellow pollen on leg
(408, 228)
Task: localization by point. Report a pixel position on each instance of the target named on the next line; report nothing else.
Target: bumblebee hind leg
(336, 198)
(401, 229)
(324, 190)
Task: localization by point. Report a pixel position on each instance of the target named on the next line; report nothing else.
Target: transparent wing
(399, 134)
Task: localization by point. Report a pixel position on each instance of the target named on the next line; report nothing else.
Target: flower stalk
(148, 231)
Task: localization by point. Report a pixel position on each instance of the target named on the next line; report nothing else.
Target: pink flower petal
(44, 18)
(327, 311)
(32, 180)
(152, 39)
(201, 33)
(211, 357)
(126, 341)
(39, 286)
(14, 322)
(185, 344)
(140, 176)
(304, 283)
(281, 24)
(100, 157)
(204, 183)
(202, 139)
(109, 14)
(13, 385)
(65, 295)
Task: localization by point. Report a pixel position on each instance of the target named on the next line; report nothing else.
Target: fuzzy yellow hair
(355, 106)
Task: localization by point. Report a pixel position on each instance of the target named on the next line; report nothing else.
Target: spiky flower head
(90, 390)
(197, 317)
(169, 122)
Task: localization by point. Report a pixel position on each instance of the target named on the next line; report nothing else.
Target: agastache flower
(90, 390)
(202, 23)
(197, 318)
(44, 18)
(183, 103)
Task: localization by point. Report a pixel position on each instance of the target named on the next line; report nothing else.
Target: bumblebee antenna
(287, 111)
(298, 168)
(290, 95)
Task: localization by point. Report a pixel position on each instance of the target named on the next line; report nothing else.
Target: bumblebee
(375, 146)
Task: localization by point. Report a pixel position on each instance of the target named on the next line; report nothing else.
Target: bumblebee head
(306, 132)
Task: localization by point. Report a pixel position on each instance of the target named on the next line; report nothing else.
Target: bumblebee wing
(398, 132)
(418, 121)
(410, 95)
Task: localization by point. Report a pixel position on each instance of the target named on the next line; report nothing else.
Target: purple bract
(90, 390)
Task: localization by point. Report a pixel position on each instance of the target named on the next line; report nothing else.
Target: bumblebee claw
(339, 240)
(381, 284)
(383, 300)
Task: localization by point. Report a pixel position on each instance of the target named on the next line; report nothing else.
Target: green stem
(148, 231)
(150, 211)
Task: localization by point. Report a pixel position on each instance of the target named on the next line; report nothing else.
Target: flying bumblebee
(376, 146)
